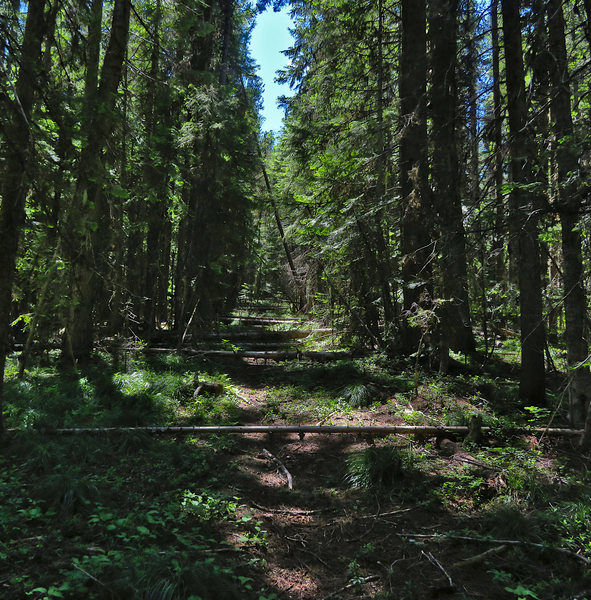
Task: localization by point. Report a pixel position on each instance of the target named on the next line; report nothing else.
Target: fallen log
(277, 355)
(259, 335)
(277, 308)
(261, 320)
(479, 558)
(488, 540)
(429, 430)
(249, 347)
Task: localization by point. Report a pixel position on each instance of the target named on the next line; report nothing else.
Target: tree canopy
(428, 190)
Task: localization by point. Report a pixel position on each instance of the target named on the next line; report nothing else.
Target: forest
(349, 359)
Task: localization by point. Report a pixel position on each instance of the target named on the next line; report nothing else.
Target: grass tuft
(359, 395)
(375, 468)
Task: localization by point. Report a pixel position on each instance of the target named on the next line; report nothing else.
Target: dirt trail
(327, 540)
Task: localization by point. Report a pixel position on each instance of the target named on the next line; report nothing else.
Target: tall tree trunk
(193, 267)
(587, 21)
(456, 325)
(227, 8)
(569, 200)
(498, 249)
(90, 192)
(384, 271)
(416, 241)
(539, 92)
(113, 313)
(156, 178)
(523, 201)
(13, 173)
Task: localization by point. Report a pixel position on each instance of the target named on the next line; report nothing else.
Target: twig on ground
(287, 511)
(328, 416)
(20, 541)
(245, 399)
(478, 558)
(386, 514)
(91, 576)
(429, 556)
(477, 463)
(281, 467)
(353, 584)
(302, 548)
(467, 538)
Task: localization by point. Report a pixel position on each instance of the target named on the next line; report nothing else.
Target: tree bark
(498, 249)
(384, 272)
(156, 174)
(569, 200)
(523, 201)
(587, 21)
(423, 430)
(90, 193)
(456, 324)
(415, 225)
(14, 173)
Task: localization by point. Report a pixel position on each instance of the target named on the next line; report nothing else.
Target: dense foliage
(427, 201)
(433, 170)
(429, 184)
(142, 158)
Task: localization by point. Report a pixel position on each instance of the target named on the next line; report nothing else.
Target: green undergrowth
(127, 515)
(105, 393)
(121, 517)
(537, 515)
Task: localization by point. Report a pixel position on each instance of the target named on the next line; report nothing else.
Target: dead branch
(281, 467)
(351, 585)
(286, 511)
(328, 416)
(303, 548)
(429, 556)
(277, 355)
(245, 400)
(262, 320)
(476, 463)
(89, 575)
(479, 558)
(386, 514)
(495, 541)
(263, 334)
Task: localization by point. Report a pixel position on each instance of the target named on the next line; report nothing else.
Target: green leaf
(522, 592)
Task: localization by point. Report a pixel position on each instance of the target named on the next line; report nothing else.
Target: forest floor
(445, 522)
(135, 516)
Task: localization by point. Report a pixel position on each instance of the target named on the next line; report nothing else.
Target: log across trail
(276, 355)
(262, 321)
(260, 335)
(423, 430)
(256, 341)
